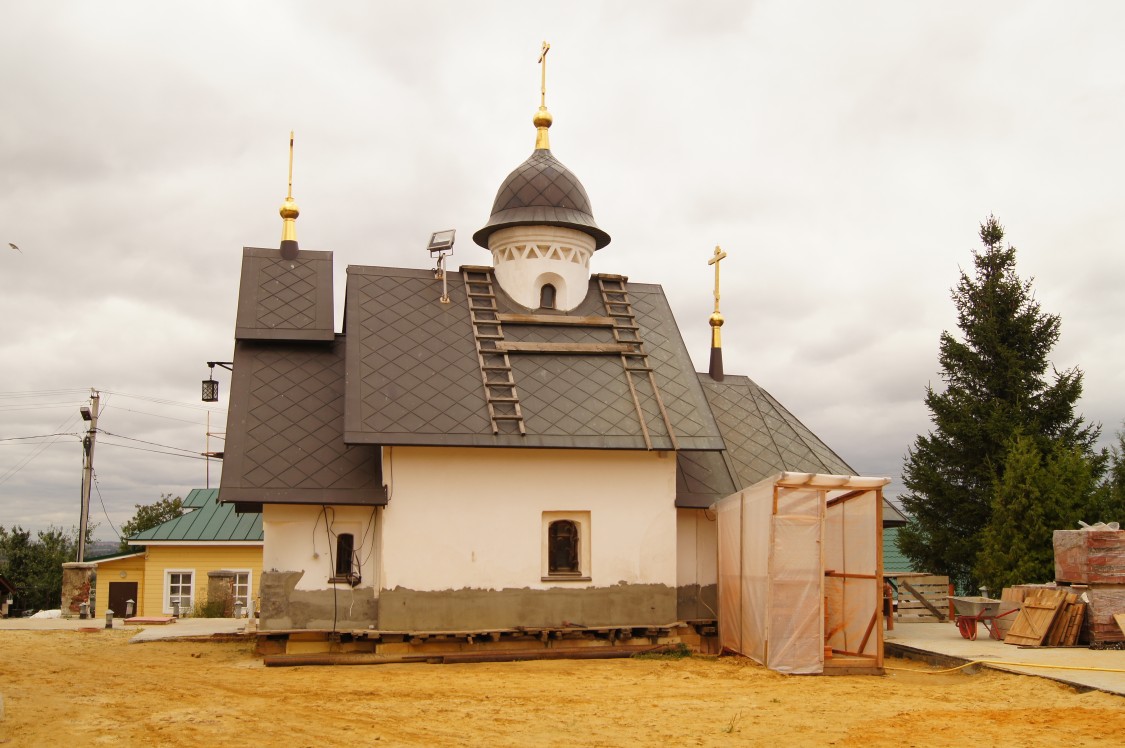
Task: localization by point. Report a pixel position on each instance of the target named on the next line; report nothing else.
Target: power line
(156, 451)
(161, 401)
(142, 441)
(40, 436)
(170, 418)
(102, 502)
(40, 449)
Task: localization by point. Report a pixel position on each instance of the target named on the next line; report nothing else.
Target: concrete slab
(1080, 667)
(181, 629)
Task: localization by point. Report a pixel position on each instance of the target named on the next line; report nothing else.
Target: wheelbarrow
(974, 610)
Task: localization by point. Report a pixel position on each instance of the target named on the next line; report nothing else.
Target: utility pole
(89, 414)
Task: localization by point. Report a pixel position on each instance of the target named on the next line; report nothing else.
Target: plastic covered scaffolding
(801, 572)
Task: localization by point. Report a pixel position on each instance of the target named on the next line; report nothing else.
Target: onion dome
(542, 192)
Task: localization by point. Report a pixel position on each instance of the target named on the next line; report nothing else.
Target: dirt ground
(68, 688)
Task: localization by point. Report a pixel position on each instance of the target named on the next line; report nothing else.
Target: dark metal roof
(541, 191)
(762, 438)
(285, 429)
(281, 299)
(205, 521)
(413, 375)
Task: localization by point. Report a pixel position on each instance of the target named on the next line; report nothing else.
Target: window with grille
(566, 546)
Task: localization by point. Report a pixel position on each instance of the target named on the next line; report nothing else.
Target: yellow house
(175, 560)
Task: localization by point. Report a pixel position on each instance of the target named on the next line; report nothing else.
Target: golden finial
(289, 213)
(716, 321)
(542, 119)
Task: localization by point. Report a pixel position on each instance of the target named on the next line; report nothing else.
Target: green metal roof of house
(205, 521)
(893, 560)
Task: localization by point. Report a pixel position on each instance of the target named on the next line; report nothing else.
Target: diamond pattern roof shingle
(285, 429)
(414, 377)
(762, 438)
(281, 299)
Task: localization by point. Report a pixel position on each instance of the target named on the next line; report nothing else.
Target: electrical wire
(42, 447)
(142, 441)
(155, 451)
(102, 502)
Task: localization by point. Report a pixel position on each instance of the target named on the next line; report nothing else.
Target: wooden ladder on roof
(500, 394)
(615, 297)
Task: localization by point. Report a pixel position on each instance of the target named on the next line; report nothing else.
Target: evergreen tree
(1108, 505)
(1036, 494)
(995, 387)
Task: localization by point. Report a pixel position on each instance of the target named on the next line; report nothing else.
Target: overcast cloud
(843, 154)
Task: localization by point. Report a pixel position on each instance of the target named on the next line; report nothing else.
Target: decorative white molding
(528, 257)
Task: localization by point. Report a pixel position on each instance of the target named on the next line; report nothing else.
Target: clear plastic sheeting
(800, 571)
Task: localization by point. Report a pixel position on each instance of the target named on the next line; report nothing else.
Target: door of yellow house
(119, 595)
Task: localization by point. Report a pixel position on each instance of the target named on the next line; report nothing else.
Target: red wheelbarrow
(974, 610)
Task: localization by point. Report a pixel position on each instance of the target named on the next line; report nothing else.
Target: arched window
(562, 548)
(547, 296)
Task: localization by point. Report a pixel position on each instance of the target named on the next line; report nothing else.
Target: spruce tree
(996, 385)
(1037, 494)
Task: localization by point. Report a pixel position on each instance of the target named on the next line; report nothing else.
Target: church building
(520, 444)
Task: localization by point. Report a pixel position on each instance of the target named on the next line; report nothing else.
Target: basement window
(566, 546)
(347, 571)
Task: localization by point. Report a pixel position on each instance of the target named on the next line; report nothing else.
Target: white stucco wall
(472, 518)
(527, 257)
(696, 547)
(297, 538)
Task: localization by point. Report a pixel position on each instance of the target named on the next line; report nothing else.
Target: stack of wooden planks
(1050, 616)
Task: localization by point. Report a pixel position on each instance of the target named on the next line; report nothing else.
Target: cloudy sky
(843, 154)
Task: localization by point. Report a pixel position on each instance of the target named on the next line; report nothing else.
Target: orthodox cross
(543, 79)
(719, 255)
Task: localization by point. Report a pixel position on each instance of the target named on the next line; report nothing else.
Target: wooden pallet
(923, 599)
(1033, 624)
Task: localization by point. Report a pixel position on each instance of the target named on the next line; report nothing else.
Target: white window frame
(167, 591)
(581, 519)
(249, 600)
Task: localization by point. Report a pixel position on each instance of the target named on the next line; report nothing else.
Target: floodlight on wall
(441, 244)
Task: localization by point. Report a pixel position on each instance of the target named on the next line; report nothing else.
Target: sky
(842, 154)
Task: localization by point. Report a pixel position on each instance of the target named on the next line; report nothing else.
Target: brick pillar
(76, 583)
(220, 586)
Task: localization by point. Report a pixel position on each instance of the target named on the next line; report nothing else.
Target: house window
(346, 567)
(178, 588)
(566, 546)
(547, 296)
(562, 548)
(241, 591)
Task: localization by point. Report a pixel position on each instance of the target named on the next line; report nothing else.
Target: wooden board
(935, 590)
(1120, 618)
(1033, 625)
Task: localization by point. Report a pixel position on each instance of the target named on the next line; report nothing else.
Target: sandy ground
(69, 688)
